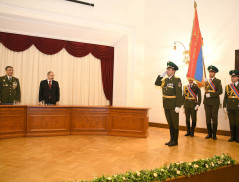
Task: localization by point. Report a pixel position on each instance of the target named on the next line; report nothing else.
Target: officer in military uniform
(172, 100)
(9, 88)
(231, 105)
(213, 88)
(191, 102)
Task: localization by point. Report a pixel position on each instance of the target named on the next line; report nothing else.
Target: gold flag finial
(195, 5)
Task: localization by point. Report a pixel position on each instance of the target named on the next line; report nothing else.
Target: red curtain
(18, 43)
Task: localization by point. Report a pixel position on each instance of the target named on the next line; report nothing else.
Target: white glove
(225, 110)
(208, 95)
(205, 79)
(196, 107)
(163, 74)
(177, 109)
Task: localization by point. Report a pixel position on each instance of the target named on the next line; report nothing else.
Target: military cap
(212, 68)
(172, 65)
(234, 73)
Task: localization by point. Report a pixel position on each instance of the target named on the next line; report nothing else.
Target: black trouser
(173, 122)
(50, 102)
(233, 116)
(190, 112)
(211, 118)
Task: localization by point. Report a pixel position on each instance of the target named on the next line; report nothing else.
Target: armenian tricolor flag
(196, 68)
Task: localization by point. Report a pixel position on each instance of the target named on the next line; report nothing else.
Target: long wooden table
(23, 120)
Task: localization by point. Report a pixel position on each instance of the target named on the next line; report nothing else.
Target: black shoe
(192, 134)
(173, 143)
(237, 140)
(231, 139)
(168, 142)
(208, 136)
(188, 129)
(214, 132)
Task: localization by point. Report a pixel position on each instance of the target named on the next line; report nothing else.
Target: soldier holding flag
(191, 102)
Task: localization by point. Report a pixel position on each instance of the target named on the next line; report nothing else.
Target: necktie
(49, 84)
(10, 78)
(234, 85)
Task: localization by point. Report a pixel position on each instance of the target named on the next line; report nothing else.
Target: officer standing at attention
(191, 102)
(231, 105)
(10, 92)
(172, 100)
(213, 88)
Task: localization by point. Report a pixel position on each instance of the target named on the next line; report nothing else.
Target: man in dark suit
(10, 92)
(213, 89)
(49, 92)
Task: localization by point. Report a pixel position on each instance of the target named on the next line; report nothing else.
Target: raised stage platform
(23, 120)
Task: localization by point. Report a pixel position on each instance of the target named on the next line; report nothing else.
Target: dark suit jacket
(50, 96)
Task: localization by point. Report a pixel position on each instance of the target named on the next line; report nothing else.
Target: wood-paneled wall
(29, 121)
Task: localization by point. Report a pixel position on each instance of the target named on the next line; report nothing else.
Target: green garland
(169, 171)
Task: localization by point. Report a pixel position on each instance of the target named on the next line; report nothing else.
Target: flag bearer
(191, 102)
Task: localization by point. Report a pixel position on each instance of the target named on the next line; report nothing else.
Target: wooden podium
(23, 120)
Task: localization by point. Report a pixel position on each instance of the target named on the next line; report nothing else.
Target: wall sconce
(185, 53)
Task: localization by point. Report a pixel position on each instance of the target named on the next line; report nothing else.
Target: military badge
(170, 85)
(14, 85)
(179, 84)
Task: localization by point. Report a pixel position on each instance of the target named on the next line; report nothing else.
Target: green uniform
(211, 106)
(231, 102)
(172, 97)
(190, 103)
(9, 90)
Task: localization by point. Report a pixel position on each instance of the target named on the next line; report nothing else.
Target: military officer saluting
(231, 105)
(9, 88)
(213, 88)
(172, 100)
(191, 102)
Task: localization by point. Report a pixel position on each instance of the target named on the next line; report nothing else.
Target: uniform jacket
(191, 103)
(10, 91)
(214, 96)
(230, 103)
(171, 87)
